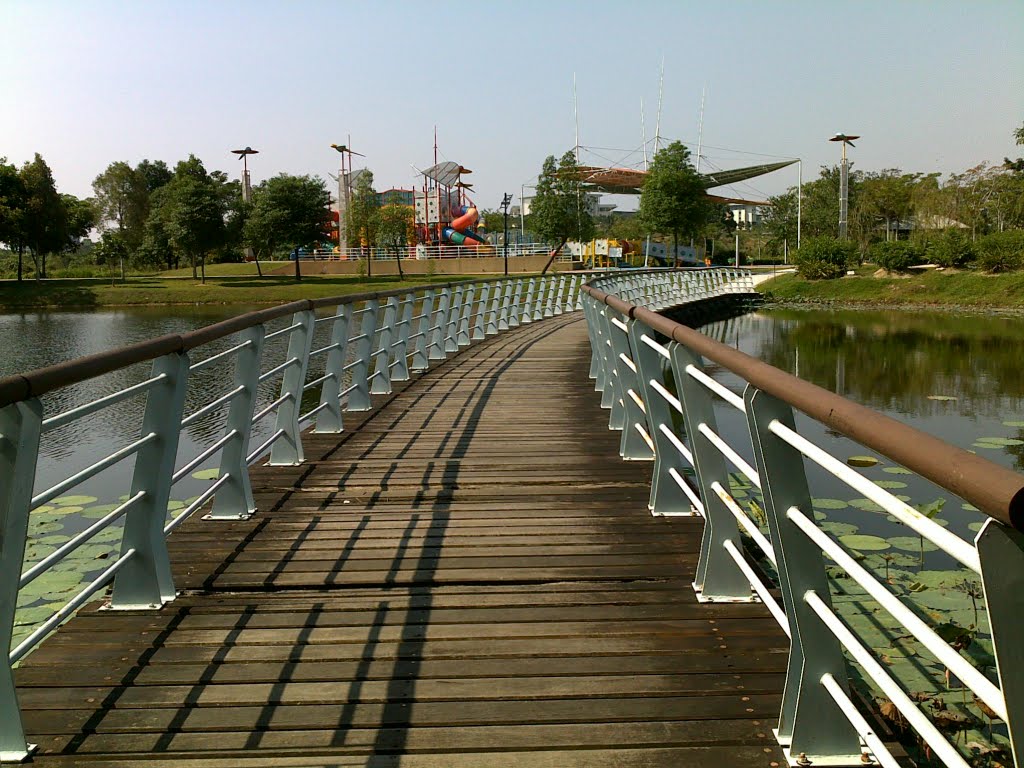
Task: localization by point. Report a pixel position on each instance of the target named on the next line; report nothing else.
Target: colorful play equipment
(444, 213)
(459, 231)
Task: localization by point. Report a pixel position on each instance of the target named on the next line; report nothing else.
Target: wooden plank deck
(467, 577)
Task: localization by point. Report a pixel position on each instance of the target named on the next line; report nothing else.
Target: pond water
(957, 377)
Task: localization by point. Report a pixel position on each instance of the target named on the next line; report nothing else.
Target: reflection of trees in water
(894, 360)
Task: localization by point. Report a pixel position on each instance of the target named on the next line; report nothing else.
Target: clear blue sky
(931, 86)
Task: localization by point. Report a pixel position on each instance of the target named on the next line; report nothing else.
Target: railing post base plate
(242, 516)
(18, 756)
(698, 590)
(863, 759)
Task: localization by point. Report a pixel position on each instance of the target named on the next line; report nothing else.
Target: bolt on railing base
(18, 755)
(864, 759)
(698, 589)
(229, 518)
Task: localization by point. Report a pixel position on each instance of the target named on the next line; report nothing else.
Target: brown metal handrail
(997, 491)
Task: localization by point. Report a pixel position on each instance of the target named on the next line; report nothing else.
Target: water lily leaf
(829, 504)
(867, 505)
(47, 527)
(1013, 423)
(989, 446)
(911, 544)
(890, 484)
(206, 474)
(976, 527)
(34, 615)
(942, 398)
(172, 505)
(969, 507)
(101, 510)
(1000, 440)
(839, 529)
(65, 501)
(897, 470)
(862, 461)
(864, 542)
(53, 538)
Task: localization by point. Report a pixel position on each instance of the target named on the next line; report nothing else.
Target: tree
(1017, 165)
(780, 221)
(559, 207)
(290, 211)
(885, 195)
(81, 219)
(362, 214)
(13, 199)
(45, 224)
(394, 228)
(155, 173)
(193, 213)
(673, 200)
(122, 202)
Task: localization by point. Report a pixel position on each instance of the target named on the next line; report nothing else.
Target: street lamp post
(344, 190)
(844, 182)
(505, 202)
(247, 196)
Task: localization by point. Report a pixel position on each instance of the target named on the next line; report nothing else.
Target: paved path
(468, 577)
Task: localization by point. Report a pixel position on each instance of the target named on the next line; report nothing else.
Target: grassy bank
(930, 289)
(141, 291)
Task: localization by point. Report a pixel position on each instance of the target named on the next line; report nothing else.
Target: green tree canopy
(780, 220)
(673, 200)
(192, 210)
(558, 211)
(45, 224)
(287, 211)
(395, 229)
(13, 200)
(122, 202)
(361, 223)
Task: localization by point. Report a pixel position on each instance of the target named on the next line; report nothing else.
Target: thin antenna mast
(576, 117)
(700, 130)
(661, 91)
(643, 131)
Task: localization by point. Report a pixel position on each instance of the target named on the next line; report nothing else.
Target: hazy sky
(931, 86)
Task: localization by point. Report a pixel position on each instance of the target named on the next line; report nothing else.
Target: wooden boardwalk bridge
(467, 577)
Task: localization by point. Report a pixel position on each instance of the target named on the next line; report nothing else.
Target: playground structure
(444, 213)
(608, 253)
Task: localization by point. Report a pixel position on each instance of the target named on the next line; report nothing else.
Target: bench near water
(468, 576)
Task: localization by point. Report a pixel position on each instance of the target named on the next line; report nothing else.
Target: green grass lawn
(227, 269)
(79, 294)
(936, 289)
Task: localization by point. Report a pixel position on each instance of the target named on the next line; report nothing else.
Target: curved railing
(652, 373)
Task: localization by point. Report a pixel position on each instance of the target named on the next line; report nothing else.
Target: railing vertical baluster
(613, 393)
(480, 323)
(718, 578)
(811, 721)
(466, 319)
(527, 313)
(234, 498)
(538, 303)
(287, 450)
(437, 329)
(359, 397)
(145, 581)
(517, 298)
(420, 361)
(492, 315)
(549, 305)
(632, 446)
(667, 498)
(559, 305)
(590, 308)
(400, 359)
(330, 420)
(20, 427)
(1001, 551)
(506, 301)
(382, 355)
(451, 335)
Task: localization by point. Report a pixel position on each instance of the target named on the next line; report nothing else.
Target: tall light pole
(344, 191)
(247, 195)
(505, 202)
(844, 182)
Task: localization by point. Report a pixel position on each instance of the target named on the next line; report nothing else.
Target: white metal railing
(359, 345)
(482, 250)
(651, 375)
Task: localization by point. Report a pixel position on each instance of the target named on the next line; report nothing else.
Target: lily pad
(942, 398)
(976, 527)
(969, 507)
(101, 510)
(34, 615)
(839, 529)
(829, 504)
(862, 461)
(206, 474)
(866, 505)
(1000, 440)
(65, 501)
(911, 544)
(897, 470)
(864, 543)
(892, 484)
(47, 527)
(1013, 423)
(989, 446)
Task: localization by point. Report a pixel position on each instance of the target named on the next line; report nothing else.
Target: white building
(746, 216)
